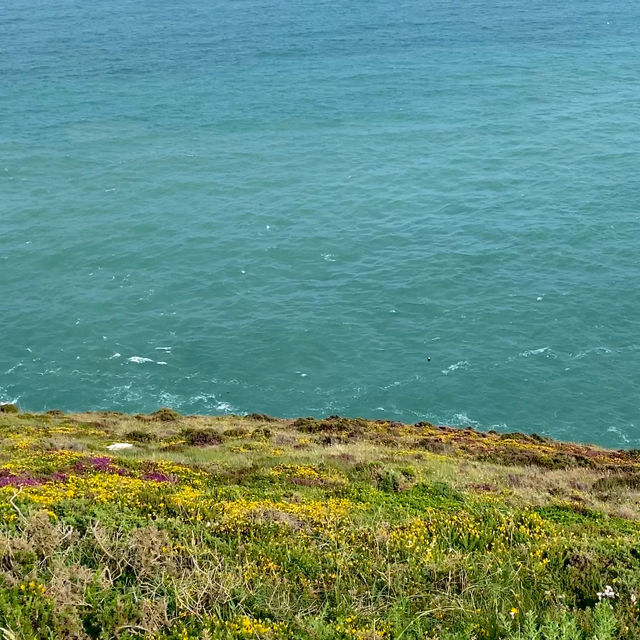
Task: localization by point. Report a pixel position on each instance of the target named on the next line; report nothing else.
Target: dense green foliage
(251, 527)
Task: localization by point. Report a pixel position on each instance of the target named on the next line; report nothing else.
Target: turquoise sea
(412, 209)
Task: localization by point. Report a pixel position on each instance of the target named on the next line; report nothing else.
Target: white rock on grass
(116, 446)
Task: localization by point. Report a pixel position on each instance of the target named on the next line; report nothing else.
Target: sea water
(416, 210)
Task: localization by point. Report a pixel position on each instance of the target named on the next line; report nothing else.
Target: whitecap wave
(139, 359)
(206, 402)
(5, 399)
(619, 433)
(461, 364)
(596, 350)
(463, 420)
(535, 352)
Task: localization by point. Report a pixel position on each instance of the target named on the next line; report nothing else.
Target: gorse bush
(204, 529)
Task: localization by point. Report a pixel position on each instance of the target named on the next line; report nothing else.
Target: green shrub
(8, 408)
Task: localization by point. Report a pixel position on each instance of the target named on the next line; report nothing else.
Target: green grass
(253, 527)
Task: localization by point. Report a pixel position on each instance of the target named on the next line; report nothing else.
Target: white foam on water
(15, 366)
(203, 397)
(208, 400)
(5, 399)
(619, 433)
(115, 355)
(124, 393)
(463, 420)
(48, 372)
(461, 364)
(172, 400)
(139, 359)
(596, 350)
(166, 349)
(161, 362)
(535, 352)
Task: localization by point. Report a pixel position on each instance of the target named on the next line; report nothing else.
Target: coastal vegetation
(254, 527)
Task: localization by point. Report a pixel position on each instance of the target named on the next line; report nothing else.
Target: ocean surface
(417, 210)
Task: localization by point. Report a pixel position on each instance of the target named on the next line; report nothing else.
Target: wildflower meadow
(254, 527)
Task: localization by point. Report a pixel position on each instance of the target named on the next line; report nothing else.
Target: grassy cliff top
(257, 527)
